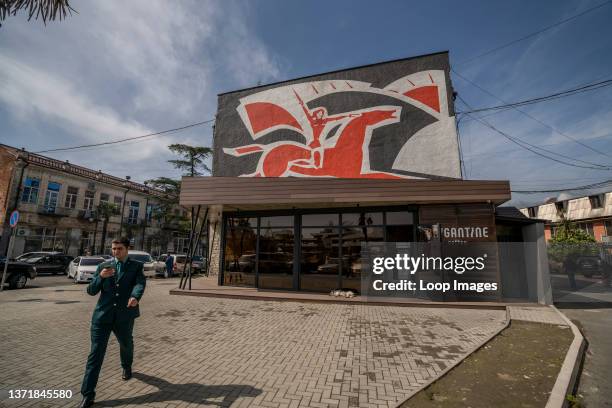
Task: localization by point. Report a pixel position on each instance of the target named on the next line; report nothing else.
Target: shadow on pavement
(190, 393)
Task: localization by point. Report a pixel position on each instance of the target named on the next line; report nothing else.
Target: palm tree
(46, 9)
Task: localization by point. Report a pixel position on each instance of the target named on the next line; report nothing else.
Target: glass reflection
(240, 246)
(351, 253)
(276, 258)
(320, 259)
(320, 220)
(278, 221)
(399, 218)
(364, 218)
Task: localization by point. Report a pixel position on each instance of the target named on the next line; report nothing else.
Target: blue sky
(121, 69)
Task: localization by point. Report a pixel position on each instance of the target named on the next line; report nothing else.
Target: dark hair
(125, 241)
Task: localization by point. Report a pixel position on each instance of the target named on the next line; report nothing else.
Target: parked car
(146, 259)
(50, 263)
(39, 254)
(589, 265)
(82, 268)
(198, 264)
(160, 265)
(178, 262)
(17, 273)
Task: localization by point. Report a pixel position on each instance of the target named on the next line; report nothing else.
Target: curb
(471, 351)
(351, 301)
(568, 375)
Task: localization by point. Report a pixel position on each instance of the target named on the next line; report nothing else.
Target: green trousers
(99, 340)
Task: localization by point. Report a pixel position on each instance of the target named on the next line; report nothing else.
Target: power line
(586, 187)
(576, 90)
(568, 92)
(127, 139)
(530, 147)
(505, 151)
(535, 33)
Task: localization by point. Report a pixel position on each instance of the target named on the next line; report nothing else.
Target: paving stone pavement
(538, 314)
(193, 351)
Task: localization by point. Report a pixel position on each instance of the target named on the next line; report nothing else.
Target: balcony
(133, 222)
(89, 215)
(55, 211)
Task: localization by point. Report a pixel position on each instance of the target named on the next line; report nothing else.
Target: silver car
(82, 268)
(146, 259)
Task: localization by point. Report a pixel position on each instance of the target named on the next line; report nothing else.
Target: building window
(560, 206)
(133, 212)
(30, 190)
(71, 197)
(104, 198)
(89, 200)
(52, 196)
(596, 201)
(533, 212)
(118, 200)
(586, 227)
(149, 215)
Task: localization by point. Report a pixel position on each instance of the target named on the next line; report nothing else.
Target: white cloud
(122, 69)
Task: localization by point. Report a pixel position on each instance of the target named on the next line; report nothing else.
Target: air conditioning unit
(22, 232)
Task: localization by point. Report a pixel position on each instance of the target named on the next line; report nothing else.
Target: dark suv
(17, 273)
(50, 263)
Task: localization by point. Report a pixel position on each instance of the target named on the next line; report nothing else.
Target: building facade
(305, 171)
(72, 209)
(592, 213)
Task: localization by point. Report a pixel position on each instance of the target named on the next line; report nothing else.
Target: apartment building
(592, 213)
(69, 208)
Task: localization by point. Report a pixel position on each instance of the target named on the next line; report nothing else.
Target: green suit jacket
(116, 292)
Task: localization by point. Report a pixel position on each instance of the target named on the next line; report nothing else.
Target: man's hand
(133, 302)
(107, 272)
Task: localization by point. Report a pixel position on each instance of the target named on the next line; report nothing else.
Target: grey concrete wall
(536, 264)
(274, 130)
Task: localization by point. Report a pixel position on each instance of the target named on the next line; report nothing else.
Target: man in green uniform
(121, 283)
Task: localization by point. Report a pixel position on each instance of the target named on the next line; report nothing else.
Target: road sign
(14, 218)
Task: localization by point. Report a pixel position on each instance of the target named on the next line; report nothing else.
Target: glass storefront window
(275, 261)
(351, 253)
(240, 246)
(330, 250)
(364, 218)
(320, 220)
(280, 221)
(400, 233)
(399, 218)
(319, 264)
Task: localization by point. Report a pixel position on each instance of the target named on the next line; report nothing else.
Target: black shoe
(127, 374)
(86, 402)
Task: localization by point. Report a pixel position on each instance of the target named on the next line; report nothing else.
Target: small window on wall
(31, 187)
(89, 200)
(133, 212)
(596, 201)
(149, 213)
(104, 198)
(533, 212)
(118, 200)
(71, 197)
(560, 206)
